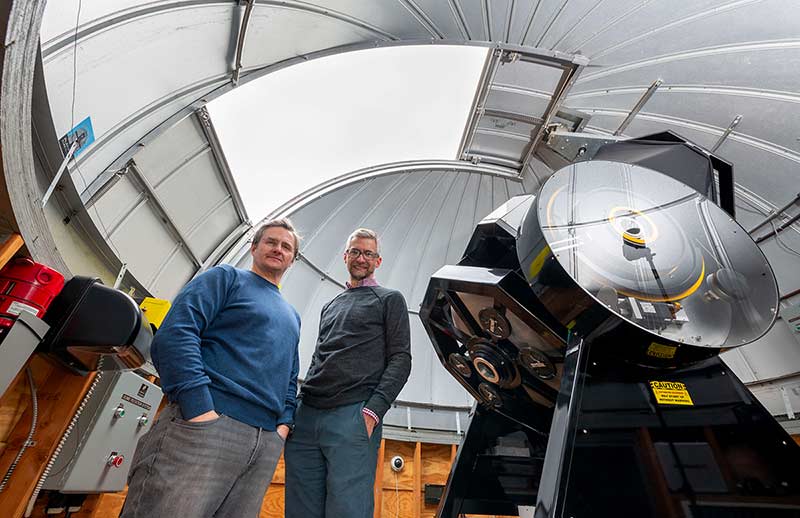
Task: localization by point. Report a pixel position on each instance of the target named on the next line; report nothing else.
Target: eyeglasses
(355, 253)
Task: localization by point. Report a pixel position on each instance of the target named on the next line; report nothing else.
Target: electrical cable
(397, 493)
(780, 242)
(29, 439)
(75, 452)
(75, 79)
(72, 116)
(73, 422)
(75, 61)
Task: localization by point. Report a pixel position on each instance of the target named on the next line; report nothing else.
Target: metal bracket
(120, 276)
(577, 147)
(571, 120)
(509, 57)
(219, 157)
(60, 172)
(490, 66)
(639, 105)
(237, 67)
(775, 214)
(735, 122)
(787, 404)
(568, 78)
(159, 208)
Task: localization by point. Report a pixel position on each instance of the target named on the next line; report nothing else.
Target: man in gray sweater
(362, 361)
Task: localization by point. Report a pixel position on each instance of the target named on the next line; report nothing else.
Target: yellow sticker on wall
(671, 393)
(666, 352)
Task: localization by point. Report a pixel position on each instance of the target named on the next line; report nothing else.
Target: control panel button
(143, 420)
(115, 460)
(119, 412)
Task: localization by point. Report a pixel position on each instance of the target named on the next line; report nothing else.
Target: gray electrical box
(97, 454)
(18, 345)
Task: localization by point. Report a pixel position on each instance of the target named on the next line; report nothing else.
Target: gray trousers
(330, 464)
(219, 468)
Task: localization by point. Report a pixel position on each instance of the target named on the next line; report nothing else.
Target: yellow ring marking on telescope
(613, 214)
(550, 203)
(538, 263)
(679, 296)
(632, 239)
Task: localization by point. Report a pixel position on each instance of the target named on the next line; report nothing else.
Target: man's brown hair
(364, 233)
(282, 223)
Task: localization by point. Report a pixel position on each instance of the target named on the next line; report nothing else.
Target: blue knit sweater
(229, 343)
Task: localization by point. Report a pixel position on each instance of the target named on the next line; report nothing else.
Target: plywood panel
(110, 505)
(273, 502)
(17, 398)
(10, 247)
(398, 504)
(436, 463)
(60, 396)
(417, 479)
(280, 472)
(404, 479)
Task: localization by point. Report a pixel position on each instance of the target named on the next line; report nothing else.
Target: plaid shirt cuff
(367, 411)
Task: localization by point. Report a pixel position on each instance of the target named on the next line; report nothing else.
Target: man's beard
(360, 274)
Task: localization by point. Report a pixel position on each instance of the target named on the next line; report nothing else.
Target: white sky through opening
(295, 128)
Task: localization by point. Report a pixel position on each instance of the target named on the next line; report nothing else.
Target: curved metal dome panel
(271, 26)
(120, 82)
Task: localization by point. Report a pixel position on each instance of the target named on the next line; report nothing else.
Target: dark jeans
(219, 468)
(330, 464)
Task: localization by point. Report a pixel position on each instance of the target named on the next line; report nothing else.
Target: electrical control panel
(98, 451)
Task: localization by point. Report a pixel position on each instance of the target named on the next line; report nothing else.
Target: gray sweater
(363, 351)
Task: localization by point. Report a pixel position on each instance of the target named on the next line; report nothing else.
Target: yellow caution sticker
(155, 310)
(671, 393)
(666, 352)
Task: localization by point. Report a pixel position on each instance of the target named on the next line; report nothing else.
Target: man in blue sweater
(227, 357)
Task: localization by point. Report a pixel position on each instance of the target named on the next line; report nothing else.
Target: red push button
(116, 461)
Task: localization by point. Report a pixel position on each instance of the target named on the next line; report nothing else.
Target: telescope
(587, 321)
